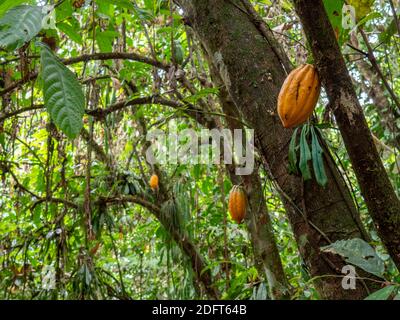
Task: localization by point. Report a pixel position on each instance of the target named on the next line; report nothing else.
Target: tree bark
(252, 73)
(379, 195)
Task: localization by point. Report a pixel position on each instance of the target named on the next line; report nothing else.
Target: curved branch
(4, 116)
(99, 112)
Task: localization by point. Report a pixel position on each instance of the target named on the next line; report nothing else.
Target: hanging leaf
(382, 294)
(63, 94)
(178, 53)
(359, 253)
(317, 160)
(305, 154)
(19, 25)
(70, 30)
(105, 39)
(292, 153)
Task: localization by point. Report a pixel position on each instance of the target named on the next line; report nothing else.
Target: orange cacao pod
(237, 203)
(154, 182)
(299, 95)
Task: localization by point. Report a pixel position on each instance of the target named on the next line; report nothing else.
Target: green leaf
(382, 294)
(317, 160)
(370, 16)
(334, 10)
(120, 3)
(9, 4)
(2, 140)
(143, 14)
(359, 253)
(70, 31)
(20, 25)
(105, 40)
(305, 154)
(292, 153)
(63, 96)
(88, 276)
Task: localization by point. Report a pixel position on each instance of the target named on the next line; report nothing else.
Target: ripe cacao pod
(299, 95)
(237, 204)
(154, 182)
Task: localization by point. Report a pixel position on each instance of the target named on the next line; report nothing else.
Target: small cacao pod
(237, 204)
(299, 95)
(154, 182)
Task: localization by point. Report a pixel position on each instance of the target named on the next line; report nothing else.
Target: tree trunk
(253, 72)
(259, 225)
(379, 195)
(257, 218)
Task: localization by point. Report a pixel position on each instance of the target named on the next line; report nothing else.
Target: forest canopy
(199, 149)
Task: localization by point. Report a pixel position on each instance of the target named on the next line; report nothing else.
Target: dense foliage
(78, 217)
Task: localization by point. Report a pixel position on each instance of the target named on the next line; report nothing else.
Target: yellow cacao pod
(237, 204)
(154, 182)
(299, 95)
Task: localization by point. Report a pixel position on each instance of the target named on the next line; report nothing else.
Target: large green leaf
(382, 294)
(359, 253)
(105, 40)
(70, 30)
(19, 25)
(63, 94)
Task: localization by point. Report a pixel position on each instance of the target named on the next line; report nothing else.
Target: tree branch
(88, 57)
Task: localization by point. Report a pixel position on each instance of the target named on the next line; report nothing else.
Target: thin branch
(89, 57)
